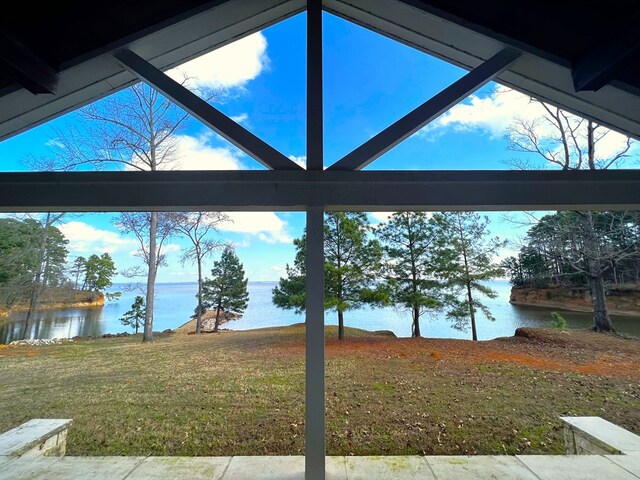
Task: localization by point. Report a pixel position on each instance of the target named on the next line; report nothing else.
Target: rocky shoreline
(208, 321)
(622, 299)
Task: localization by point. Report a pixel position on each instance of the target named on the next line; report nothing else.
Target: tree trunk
(601, 320)
(467, 281)
(151, 279)
(199, 310)
(37, 281)
(472, 312)
(217, 324)
(415, 330)
(340, 325)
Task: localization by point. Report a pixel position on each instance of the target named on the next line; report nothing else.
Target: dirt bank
(60, 299)
(622, 299)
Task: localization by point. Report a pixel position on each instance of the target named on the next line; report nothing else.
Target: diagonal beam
(210, 116)
(32, 72)
(425, 113)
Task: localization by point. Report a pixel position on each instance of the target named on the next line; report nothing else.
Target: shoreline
(622, 299)
(574, 308)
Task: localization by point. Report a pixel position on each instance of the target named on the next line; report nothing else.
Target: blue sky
(370, 81)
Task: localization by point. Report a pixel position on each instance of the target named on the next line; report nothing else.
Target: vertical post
(314, 86)
(314, 393)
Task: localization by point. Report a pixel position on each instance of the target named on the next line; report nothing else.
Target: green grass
(242, 393)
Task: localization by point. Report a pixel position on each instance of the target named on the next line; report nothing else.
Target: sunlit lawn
(242, 393)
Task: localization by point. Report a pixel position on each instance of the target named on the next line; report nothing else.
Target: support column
(314, 393)
(315, 448)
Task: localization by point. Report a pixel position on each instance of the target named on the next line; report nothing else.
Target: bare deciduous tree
(197, 226)
(572, 143)
(142, 224)
(135, 129)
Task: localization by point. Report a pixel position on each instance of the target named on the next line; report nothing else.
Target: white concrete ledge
(40, 436)
(597, 436)
(603, 435)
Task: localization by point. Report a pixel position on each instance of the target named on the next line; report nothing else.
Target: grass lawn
(242, 393)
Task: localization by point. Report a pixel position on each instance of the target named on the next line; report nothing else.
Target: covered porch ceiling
(583, 59)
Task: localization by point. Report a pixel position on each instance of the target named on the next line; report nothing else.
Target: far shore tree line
(33, 259)
(593, 250)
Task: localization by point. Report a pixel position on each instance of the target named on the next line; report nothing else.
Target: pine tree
(352, 263)
(135, 317)
(197, 226)
(414, 254)
(470, 263)
(99, 270)
(227, 289)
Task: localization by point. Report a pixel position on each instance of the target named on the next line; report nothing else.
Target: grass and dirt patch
(242, 393)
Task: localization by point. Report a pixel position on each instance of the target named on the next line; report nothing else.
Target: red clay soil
(577, 351)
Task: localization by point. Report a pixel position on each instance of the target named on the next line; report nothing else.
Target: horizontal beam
(207, 114)
(31, 71)
(295, 191)
(425, 113)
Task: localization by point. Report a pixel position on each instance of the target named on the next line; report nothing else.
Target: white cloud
(193, 153)
(230, 66)
(379, 217)
(83, 238)
(505, 253)
(495, 113)
(299, 159)
(243, 117)
(279, 269)
(166, 249)
(54, 143)
(492, 114)
(267, 226)
(171, 248)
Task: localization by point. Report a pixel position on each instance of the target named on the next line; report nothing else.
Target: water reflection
(55, 324)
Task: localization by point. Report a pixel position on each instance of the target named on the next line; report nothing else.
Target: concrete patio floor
(525, 467)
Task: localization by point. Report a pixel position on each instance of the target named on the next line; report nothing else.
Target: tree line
(33, 258)
(420, 262)
(34, 253)
(595, 250)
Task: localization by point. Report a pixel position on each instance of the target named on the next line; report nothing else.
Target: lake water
(175, 302)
